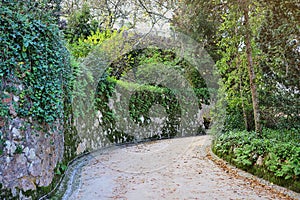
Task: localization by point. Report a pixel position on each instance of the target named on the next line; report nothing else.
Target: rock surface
(30, 151)
(29, 156)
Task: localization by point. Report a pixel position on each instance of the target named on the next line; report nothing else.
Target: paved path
(179, 168)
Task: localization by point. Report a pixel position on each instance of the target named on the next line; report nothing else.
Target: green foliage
(146, 96)
(82, 47)
(3, 110)
(80, 25)
(60, 169)
(234, 68)
(279, 150)
(141, 102)
(168, 58)
(278, 38)
(19, 149)
(33, 54)
(34, 67)
(275, 50)
(199, 20)
(43, 10)
(139, 105)
(2, 143)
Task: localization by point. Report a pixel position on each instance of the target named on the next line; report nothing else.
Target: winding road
(181, 168)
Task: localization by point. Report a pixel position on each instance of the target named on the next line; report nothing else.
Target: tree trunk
(241, 91)
(240, 75)
(251, 72)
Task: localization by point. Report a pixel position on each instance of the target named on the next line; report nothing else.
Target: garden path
(181, 168)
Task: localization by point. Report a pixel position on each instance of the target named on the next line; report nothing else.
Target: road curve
(181, 168)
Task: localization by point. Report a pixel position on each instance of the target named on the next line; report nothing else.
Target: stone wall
(30, 150)
(93, 135)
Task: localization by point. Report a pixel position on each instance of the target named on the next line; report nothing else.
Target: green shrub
(279, 149)
(80, 23)
(83, 46)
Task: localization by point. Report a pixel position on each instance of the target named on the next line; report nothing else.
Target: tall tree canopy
(256, 47)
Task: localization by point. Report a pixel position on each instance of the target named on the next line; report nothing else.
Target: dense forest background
(255, 45)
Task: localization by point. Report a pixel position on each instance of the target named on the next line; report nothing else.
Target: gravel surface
(181, 168)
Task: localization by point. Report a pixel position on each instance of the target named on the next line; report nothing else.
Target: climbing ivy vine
(34, 55)
(146, 95)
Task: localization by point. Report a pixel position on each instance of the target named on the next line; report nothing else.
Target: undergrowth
(274, 156)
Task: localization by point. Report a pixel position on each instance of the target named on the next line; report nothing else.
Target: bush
(278, 152)
(82, 47)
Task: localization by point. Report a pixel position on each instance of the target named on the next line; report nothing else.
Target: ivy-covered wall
(34, 77)
(136, 99)
(42, 127)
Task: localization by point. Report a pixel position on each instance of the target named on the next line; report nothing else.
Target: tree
(80, 24)
(279, 40)
(45, 10)
(111, 14)
(270, 37)
(232, 67)
(200, 20)
(238, 50)
(251, 71)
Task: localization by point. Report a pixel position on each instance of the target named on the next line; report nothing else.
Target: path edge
(241, 174)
